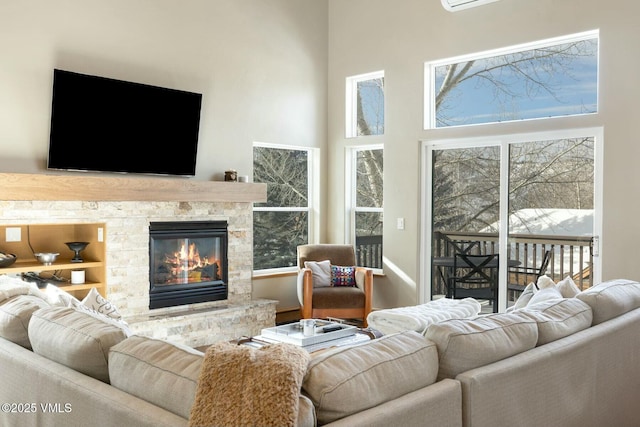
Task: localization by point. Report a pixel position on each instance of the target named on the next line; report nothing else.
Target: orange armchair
(319, 265)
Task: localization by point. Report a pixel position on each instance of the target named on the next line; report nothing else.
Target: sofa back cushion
(75, 339)
(464, 344)
(157, 371)
(611, 299)
(347, 380)
(559, 318)
(15, 314)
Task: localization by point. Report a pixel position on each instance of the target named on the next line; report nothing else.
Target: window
(552, 78)
(284, 221)
(365, 105)
(365, 199)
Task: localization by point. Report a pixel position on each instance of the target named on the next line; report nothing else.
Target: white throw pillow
(545, 294)
(567, 287)
(97, 302)
(525, 296)
(545, 282)
(60, 298)
(321, 272)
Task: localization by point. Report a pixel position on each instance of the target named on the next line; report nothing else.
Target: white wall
(399, 36)
(260, 65)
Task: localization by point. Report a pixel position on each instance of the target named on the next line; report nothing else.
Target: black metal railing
(570, 255)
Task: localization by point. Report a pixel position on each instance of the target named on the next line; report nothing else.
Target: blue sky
(574, 90)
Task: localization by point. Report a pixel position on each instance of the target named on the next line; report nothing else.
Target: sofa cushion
(10, 286)
(75, 339)
(559, 318)
(611, 299)
(464, 344)
(148, 368)
(15, 314)
(347, 380)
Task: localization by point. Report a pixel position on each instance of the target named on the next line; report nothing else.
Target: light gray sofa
(62, 366)
(561, 362)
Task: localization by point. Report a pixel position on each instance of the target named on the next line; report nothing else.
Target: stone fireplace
(128, 206)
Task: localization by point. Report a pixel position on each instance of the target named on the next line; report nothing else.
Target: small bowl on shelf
(46, 258)
(7, 259)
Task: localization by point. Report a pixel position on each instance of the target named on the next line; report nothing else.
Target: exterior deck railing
(369, 251)
(571, 255)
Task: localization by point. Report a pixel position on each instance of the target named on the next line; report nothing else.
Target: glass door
(544, 186)
(551, 211)
(465, 203)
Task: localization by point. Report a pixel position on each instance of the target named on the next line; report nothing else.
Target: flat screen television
(109, 125)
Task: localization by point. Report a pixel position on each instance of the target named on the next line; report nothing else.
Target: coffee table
(293, 334)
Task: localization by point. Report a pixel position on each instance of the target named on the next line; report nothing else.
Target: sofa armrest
(29, 377)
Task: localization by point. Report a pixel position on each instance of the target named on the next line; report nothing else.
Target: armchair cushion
(338, 297)
(343, 275)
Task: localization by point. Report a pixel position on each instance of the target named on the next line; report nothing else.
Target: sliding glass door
(544, 185)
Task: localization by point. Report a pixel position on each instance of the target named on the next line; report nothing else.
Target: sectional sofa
(558, 362)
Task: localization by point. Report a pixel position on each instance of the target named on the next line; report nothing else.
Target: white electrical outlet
(400, 223)
(13, 234)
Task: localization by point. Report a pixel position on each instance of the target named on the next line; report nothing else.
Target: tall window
(550, 78)
(365, 194)
(282, 222)
(365, 105)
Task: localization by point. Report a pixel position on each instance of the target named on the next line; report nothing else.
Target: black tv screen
(103, 124)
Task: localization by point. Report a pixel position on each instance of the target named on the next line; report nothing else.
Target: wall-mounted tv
(109, 125)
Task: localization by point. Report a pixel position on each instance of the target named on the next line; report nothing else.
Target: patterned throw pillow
(343, 276)
(98, 303)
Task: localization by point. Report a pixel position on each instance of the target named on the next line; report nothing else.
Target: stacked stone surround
(127, 247)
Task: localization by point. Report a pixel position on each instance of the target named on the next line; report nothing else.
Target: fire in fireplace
(188, 262)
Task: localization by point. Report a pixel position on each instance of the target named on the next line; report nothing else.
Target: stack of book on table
(325, 334)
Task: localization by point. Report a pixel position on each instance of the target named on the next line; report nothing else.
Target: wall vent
(456, 5)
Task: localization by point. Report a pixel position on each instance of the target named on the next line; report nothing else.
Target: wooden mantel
(16, 186)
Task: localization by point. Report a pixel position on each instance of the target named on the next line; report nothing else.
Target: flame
(187, 261)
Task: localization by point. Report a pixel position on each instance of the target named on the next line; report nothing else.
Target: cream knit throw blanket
(244, 386)
(419, 317)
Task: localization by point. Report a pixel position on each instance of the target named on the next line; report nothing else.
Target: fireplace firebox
(187, 262)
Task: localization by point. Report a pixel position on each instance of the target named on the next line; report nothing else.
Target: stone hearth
(127, 243)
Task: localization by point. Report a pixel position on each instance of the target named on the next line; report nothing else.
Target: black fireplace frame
(180, 294)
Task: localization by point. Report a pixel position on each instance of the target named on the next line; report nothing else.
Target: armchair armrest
(364, 280)
(306, 291)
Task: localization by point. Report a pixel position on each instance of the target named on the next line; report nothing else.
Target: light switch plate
(13, 234)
